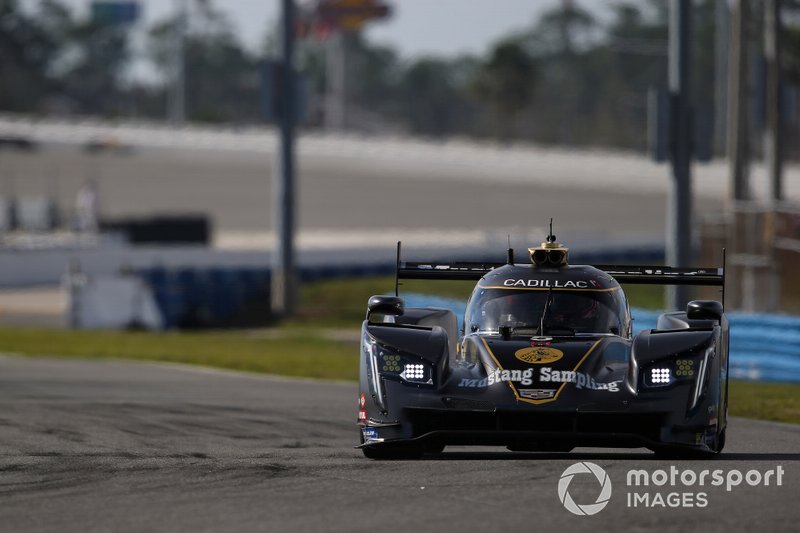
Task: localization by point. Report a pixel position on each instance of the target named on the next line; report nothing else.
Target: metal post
(738, 143)
(679, 237)
(283, 270)
(772, 133)
(177, 96)
(773, 139)
(336, 73)
(721, 44)
(10, 186)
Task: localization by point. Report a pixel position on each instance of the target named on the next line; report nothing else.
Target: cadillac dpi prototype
(546, 361)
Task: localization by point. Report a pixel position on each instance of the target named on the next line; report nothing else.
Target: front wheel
(720, 444)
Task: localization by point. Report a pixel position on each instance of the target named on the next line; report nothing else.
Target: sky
(417, 27)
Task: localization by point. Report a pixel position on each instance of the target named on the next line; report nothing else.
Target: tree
(47, 54)
(559, 42)
(431, 100)
(27, 51)
(505, 84)
(222, 78)
(791, 43)
(791, 70)
(561, 29)
(94, 61)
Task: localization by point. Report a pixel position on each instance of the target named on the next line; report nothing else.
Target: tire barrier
(171, 229)
(213, 297)
(190, 298)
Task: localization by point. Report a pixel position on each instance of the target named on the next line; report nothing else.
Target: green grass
(305, 347)
(288, 353)
(343, 302)
(645, 296)
(779, 402)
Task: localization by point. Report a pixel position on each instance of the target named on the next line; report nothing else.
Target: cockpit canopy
(566, 312)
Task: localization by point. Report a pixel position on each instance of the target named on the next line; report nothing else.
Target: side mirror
(704, 310)
(385, 305)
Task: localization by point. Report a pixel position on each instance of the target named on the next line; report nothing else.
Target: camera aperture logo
(602, 498)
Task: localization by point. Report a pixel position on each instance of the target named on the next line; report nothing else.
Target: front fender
(653, 345)
(431, 344)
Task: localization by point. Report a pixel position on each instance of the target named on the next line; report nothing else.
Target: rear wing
(661, 275)
(444, 271)
(636, 274)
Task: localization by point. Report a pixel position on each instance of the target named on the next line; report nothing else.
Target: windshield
(571, 311)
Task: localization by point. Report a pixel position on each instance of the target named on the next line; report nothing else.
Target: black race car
(546, 361)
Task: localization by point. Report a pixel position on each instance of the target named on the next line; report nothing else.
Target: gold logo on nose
(539, 355)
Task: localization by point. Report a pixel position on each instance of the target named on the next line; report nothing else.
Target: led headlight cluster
(668, 372)
(659, 376)
(391, 363)
(662, 374)
(413, 372)
(404, 368)
(384, 363)
(684, 368)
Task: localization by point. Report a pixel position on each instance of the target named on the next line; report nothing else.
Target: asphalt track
(121, 446)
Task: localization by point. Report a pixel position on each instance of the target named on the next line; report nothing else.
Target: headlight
(405, 368)
(660, 376)
(668, 372)
(684, 368)
(394, 366)
(408, 369)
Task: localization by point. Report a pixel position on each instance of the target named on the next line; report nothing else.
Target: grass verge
(287, 353)
(778, 402)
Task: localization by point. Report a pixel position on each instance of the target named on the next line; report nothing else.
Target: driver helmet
(575, 310)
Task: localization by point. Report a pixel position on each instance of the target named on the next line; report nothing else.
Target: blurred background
(195, 185)
(161, 167)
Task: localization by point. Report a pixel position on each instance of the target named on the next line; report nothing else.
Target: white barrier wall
(120, 302)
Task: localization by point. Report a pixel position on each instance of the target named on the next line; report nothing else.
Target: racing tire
(720, 444)
(434, 449)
